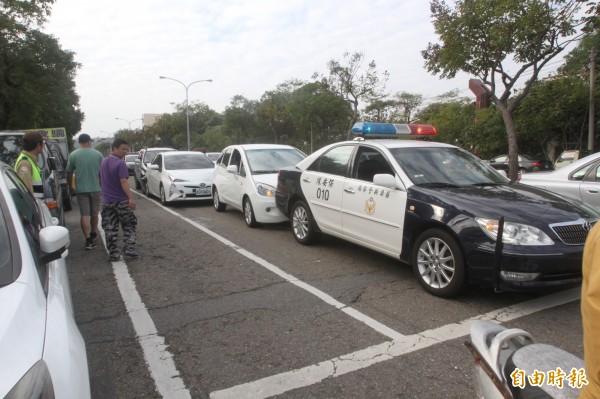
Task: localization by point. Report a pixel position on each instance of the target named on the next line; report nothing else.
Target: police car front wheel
(438, 263)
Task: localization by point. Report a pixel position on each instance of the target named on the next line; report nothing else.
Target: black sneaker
(89, 244)
(117, 258)
(132, 253)
(93, 236)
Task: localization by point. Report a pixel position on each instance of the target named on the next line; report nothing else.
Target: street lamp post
(129, 122)
(187, 114)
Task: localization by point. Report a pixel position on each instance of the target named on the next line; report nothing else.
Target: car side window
(30, 219)
(580, 173)
(370, 162)
(157, 159)
(225, 158)
(334, 161)
(236, 159)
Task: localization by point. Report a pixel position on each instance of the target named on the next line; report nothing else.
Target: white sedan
(246, 176)
(579, 180)
(180, 176)
(43, 352)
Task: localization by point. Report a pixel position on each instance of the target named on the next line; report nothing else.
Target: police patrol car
(438, 208)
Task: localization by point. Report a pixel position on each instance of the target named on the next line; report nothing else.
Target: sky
(246, 47)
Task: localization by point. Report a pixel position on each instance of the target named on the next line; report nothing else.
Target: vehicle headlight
(515, 233)
(265, 189)
(175, 179)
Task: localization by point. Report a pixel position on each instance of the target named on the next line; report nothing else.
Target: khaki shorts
(89, 203)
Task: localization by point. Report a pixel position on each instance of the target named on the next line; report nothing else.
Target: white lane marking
(313, 374)
(160, 361)
(374, 324)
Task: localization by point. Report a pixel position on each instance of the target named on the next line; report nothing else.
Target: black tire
(219, 206)
(138, 185)
(145, 190)
(303, 224)
(67, 202)
(163, 197)
(249, 213)
(438, 263)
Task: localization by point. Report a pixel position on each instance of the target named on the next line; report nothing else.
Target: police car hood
(520, 203)
(193, 175)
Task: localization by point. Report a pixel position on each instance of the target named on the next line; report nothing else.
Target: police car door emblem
(370, 206)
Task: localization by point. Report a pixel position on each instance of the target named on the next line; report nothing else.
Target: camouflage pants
(113, 215)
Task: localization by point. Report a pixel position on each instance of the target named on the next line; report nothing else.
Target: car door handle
(349, 190)
(306, 180)
(592, 191)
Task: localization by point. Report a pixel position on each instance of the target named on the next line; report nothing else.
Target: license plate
(203, 191)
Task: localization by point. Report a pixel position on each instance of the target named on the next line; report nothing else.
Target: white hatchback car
(180, 176)
(246, 176)
(43, 352)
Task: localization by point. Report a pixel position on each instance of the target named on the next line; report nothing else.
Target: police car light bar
(371, 129)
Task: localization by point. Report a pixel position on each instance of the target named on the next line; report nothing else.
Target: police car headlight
(265, 189)
(514, 233)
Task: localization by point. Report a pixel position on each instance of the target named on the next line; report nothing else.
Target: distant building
(149, 119)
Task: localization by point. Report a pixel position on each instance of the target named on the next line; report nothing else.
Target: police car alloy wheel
(303, 224)
(249, 213)
(219, 206)
(438, 263)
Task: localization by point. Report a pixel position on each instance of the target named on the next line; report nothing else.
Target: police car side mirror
(385, 180)
(51, 163)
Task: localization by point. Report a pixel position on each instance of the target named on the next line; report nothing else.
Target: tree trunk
(513, 146)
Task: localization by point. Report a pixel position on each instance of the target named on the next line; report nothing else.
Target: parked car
(579, 180)
(180, 176)
(61, 175)
(130, 161)
(526, 163)
(141, 165)
(568, 156)
(11, 143)
(439, 209)
(245, 178)
(43, 352)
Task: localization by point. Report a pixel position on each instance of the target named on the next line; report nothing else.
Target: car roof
(179, 153)
(262, 146)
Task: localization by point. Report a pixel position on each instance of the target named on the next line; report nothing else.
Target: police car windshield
(445, 167)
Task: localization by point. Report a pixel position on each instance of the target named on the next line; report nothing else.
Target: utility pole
(591, 126)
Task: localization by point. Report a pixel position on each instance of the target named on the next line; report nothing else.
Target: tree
(502, 43)
(240, 119)
(37, 86)
(349, 81)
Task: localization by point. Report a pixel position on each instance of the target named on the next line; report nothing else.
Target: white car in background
(42, 351)
(180, 176)
(579, 180)
(246, 177)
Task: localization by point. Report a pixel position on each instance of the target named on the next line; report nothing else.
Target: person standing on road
(590, 313)
(118, 202)
(85, 162)
(26, 165)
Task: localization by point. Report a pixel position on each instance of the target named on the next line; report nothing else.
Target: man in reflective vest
(26, 165)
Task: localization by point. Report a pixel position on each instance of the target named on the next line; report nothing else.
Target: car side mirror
(232, 169)
(137, 162)
(54, 241)
(51, 163)
(154, 166)
(386, 180)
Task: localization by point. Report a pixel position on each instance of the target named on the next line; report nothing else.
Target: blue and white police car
(438, 208)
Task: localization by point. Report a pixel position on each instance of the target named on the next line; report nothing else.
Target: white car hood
(270, 179)
(193, 175)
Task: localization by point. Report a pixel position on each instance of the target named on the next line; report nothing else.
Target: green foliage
(498, 41)
(37, 75)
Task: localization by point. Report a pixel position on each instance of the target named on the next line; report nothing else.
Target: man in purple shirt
(118, 202)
